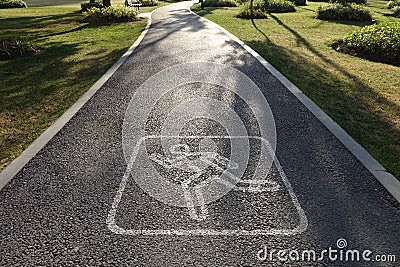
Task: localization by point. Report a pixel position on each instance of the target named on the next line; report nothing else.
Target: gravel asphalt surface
(63, 209)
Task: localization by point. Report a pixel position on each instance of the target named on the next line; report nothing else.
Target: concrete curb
(385, 178)
(17, 164)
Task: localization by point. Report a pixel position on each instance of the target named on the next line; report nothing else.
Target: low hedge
(345, 12)
(110, 14)
(85, 6)
(12, 4)
(219, 3)
(379, 39)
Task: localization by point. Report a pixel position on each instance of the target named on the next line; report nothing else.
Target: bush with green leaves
(110, 14)
(379, 39)
(262, 7)
(393, 4)
(396, 11)
(12, 4)
(258, 11)
(85, 6)
(219, 3)
(149, 2)
(346, 12)
(279, 6)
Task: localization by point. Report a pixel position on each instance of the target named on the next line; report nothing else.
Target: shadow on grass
(38, 21)
(260, 31)
(83, 26)
(35, 90)
(40, 3)
(49, 69)
(205, 11)
(352, 23)
(32, 27)
(348, 100)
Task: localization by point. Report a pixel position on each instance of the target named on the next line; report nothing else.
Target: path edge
(389, 182)
(19, 163)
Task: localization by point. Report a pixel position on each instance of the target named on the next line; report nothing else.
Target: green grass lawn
(362, 96)
(36, 90)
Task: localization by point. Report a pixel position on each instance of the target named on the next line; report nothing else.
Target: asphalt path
(80, 200)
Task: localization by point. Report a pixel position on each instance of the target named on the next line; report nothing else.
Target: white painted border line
(17, 164)
(384, 177)
(112, 225)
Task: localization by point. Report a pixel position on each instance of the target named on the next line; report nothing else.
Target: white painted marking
(189, 198)
(181, 159)
(202, 215)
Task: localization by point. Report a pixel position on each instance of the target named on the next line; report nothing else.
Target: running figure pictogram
(196, 163)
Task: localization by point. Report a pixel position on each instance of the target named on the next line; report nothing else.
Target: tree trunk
(106, 3)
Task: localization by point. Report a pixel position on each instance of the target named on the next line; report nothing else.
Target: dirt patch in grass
(342, 47)
(11, 49)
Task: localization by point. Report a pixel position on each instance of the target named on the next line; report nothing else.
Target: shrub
(85, 6)
(393, 4)
(12, 4)
(220, 3)
(262, 7)
(395, 7)
(380, 39)
(10, 49)
(299, 2)
(343, 12)
(258, 12)
(396, 11)
(149, 2)
(279, 6)
(110, 14)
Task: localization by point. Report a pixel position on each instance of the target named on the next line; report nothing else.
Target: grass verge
(36, 90)
(362, 96)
